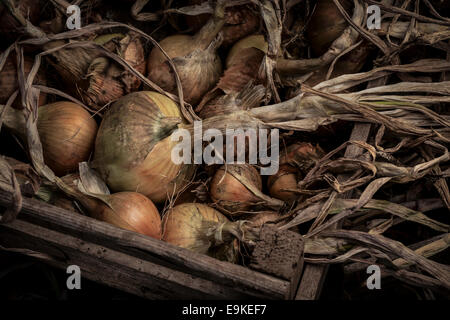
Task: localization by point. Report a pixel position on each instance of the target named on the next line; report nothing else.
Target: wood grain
(242, 280)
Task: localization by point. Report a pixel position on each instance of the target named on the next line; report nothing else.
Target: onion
(95, 79)
(202, 229)
(302, 155)
(230, 187)
(197, 63)
(296, 161)
(232, 92)
(127, 210)
(9, 80)
(340, 41)
(326, 25)
(240, 21)
(133, 146)
(67, 132)
(285, 178)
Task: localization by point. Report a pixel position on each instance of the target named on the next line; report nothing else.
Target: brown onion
(197, 63)
(67, 132)
(200, 228)
(127, 210)
(232, 92)
(285, 178)
(302, 155)
(133, 146)
(9, 80)
(340, 41)
(95, 79)
(326, 25)
(230, 187)
(240, 21)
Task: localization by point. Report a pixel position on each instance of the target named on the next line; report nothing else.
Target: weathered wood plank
(279, 253)
(110, 267)
(244, 280)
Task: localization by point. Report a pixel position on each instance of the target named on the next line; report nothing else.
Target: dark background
(25, 278)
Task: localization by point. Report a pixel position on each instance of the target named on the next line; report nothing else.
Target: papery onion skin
(302, 155)
(185, 225)
(133, 146)
(285, 178)
(67, 132)
(131, 211)
(182, 224)
(94, 78)
(198, 69)
(229, 193)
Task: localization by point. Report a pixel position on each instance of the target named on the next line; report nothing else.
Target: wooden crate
(133, 262)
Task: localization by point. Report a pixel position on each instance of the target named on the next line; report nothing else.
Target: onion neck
(209, 31)
(225, 232)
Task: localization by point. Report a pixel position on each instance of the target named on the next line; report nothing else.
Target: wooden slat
(110, 267)
(241, 279)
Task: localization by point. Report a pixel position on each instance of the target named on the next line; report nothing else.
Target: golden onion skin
(67, 132)
(231, 194)
(199, 70)
(186, 225)
(131, 211)
(133, 146)
(182, 224)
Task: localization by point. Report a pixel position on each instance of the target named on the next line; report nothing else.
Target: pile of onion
(67, 132)
(133, 146)
(231, 188)
(195, 57)
(85, 70)
(202, 229)
(9, 80)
